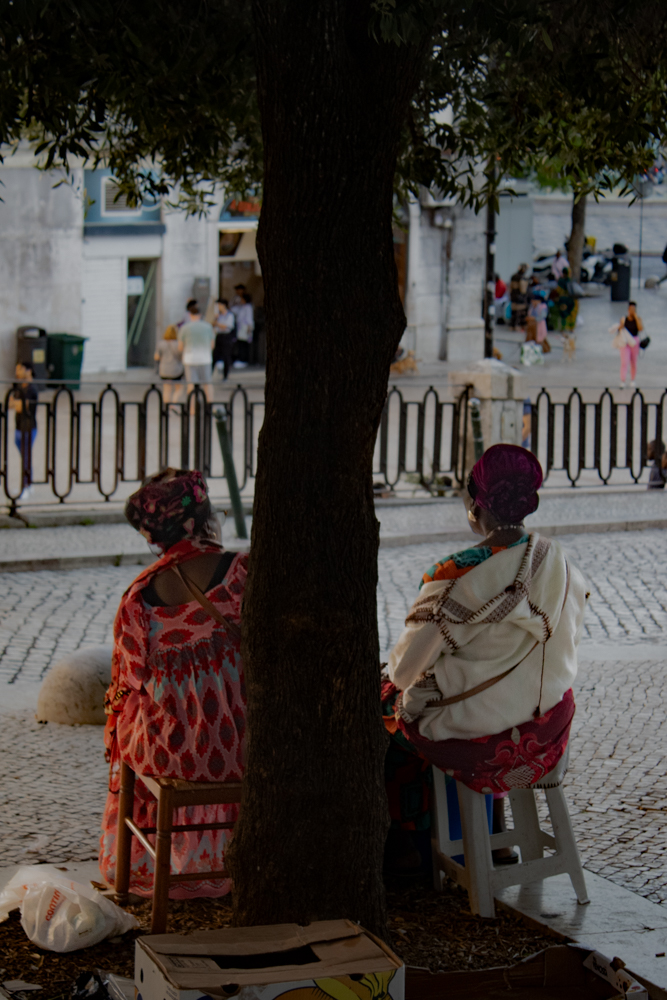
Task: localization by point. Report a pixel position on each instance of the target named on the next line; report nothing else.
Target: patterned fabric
(176, 708)
(505, 481)
(516, 758)
(454, 566)
(170, 506)
(447, 613)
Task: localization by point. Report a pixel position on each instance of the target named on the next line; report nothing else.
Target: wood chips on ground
(432, 930)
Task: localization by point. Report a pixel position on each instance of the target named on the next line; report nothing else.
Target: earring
(471, 517)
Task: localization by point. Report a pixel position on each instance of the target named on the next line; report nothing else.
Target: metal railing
(97, 443)
(582, 441)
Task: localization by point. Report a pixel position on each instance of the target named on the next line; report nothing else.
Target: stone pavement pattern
(53, 782)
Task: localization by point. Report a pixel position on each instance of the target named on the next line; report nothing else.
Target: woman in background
(170, 365)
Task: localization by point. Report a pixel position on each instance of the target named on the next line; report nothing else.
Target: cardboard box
(329, 958)
(564, 972)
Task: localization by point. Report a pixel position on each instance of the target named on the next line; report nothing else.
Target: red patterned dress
(176, 709)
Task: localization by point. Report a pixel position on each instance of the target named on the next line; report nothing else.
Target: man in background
(23, 401)
(245, 327)
(196, 340)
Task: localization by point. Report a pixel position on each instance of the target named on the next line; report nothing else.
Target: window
(113, 203)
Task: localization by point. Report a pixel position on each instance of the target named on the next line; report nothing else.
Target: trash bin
(64, 357)
(620, 278)
(31, 346)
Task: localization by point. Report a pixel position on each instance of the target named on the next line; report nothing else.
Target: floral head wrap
(170, 506)
(505, 481)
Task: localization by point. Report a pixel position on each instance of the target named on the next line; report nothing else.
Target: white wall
(40, 255)
(190, 251)
(104, 314)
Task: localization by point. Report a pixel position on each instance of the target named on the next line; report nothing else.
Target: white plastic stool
(479, 876)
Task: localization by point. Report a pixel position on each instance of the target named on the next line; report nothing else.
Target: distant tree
(327, 105)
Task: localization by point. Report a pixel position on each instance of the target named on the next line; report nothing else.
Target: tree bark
(314, 814)
(575, 248)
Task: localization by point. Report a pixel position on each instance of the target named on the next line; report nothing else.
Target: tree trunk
(575, 248)
(314, 815)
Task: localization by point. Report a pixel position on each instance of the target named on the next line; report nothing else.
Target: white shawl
(460, 633)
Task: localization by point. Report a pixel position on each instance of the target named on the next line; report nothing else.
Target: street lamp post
(490, 283)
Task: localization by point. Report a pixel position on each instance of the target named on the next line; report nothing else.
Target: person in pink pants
(630, 351)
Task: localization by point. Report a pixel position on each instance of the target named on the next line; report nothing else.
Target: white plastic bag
(61, 915)
(531, 354)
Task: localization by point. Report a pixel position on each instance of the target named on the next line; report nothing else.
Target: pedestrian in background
(655, 452)
(627, 341)
(224, 326)
(559, 265)
(196, 341)
(500, 299)
(537, 322)
(170, 365)
(245, 326)
(23, 401)
(518, 297)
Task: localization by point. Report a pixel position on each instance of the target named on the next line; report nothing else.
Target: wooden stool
(171, 793)
(478, 875)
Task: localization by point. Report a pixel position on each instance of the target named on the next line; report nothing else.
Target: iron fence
(95, 444)
(604, 441)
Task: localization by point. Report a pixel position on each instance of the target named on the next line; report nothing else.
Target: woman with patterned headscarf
(176, 704)
(480, 681)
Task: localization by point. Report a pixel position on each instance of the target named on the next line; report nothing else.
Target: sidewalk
(441, 521)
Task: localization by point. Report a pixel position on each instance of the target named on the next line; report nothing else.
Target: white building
(74, 259)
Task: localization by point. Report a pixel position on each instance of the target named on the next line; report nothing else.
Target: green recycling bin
(64, 358)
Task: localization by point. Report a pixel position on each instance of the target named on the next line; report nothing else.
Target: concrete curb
(95, 559)
(551, 530)
(388, 542)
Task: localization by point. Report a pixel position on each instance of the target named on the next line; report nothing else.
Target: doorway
(141, 312)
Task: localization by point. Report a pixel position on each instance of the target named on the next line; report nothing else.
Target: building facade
(76, 258)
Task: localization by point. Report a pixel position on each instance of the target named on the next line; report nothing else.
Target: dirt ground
(428, 929)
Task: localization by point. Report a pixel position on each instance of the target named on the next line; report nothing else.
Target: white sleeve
(417, 649)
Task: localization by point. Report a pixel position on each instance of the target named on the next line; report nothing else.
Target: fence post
(500, 391)
(230, 472)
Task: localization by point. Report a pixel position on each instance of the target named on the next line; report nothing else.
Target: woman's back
(188, 720)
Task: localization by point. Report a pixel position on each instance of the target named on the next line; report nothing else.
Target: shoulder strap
(193, 589)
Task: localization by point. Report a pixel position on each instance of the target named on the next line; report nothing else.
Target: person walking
(627, 341)
(245, 326)
(170, 365)
(224, 326)
(23, 401)
(518, 297)
(560, 263)
(196, 341)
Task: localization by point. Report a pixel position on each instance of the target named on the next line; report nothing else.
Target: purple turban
(505, 481)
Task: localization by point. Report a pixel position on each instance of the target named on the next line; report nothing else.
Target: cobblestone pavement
(626, 572)
(53, 781)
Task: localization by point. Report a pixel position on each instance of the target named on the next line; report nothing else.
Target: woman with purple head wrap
(480, 681)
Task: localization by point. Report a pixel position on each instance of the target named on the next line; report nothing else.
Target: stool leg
(124, 834)
(440, 824)
(566, 845)
(165, 818)
(477, 850)
(526, 824)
